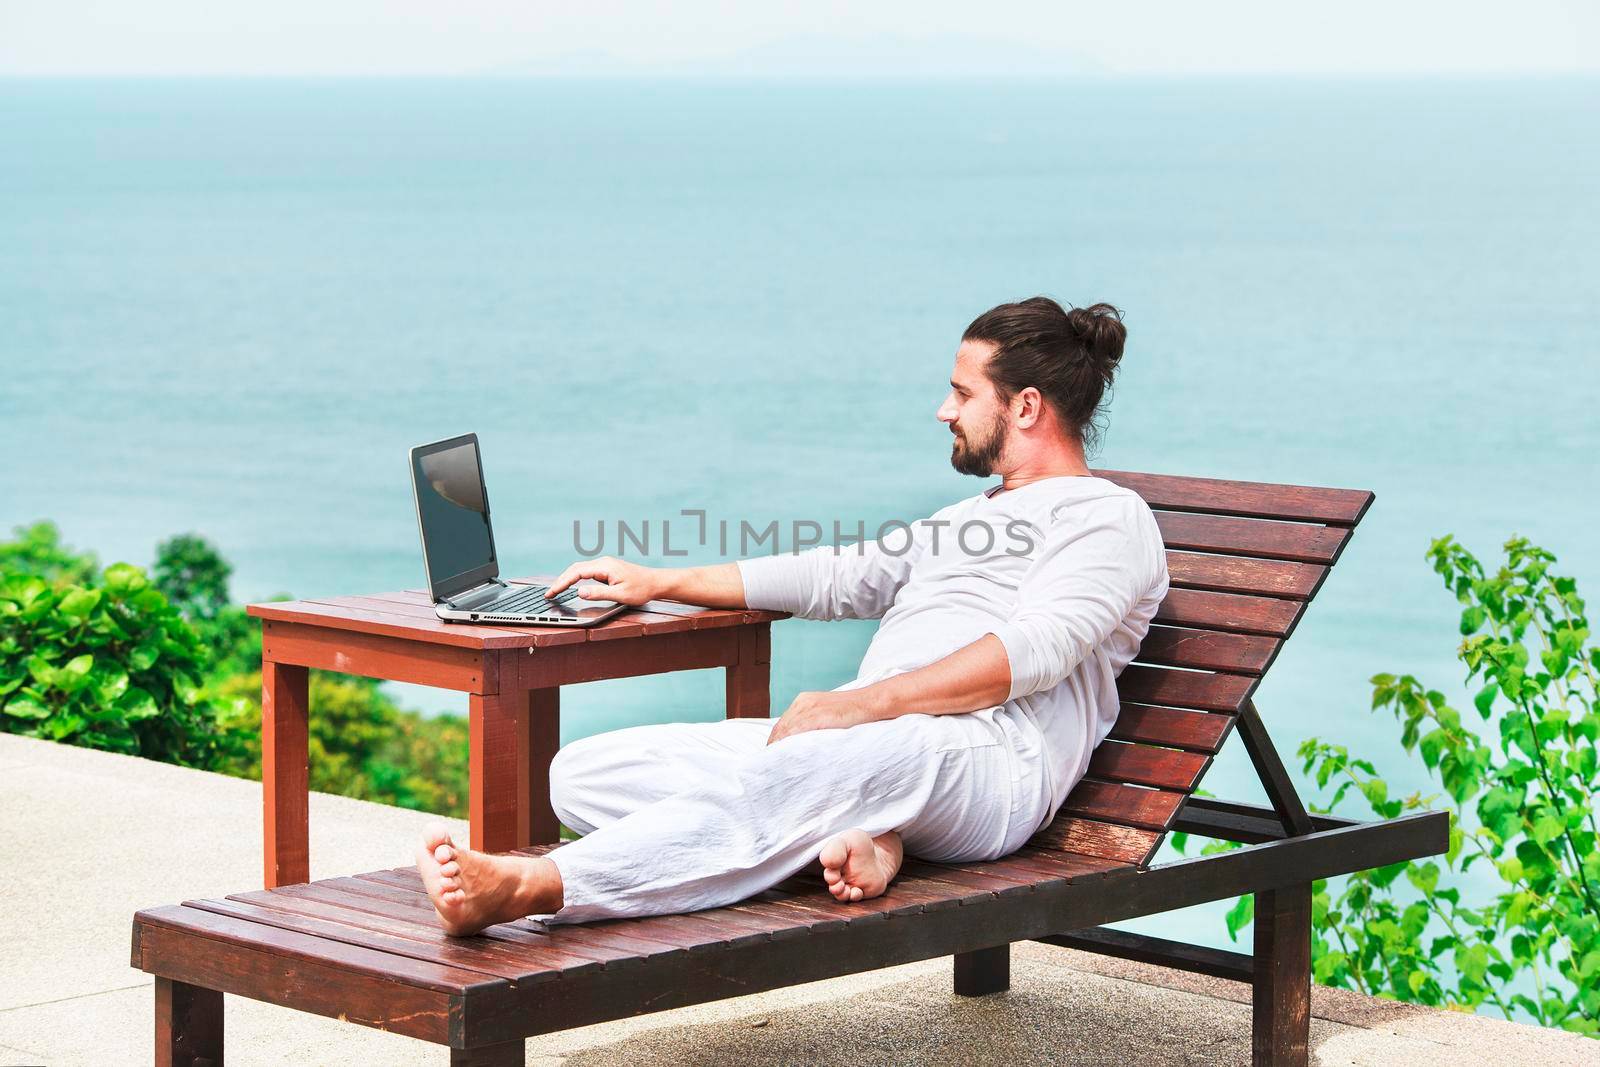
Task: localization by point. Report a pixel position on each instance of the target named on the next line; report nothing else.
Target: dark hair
(1069, 354)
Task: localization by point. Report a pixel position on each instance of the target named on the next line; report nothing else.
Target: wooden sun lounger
(1245, 560)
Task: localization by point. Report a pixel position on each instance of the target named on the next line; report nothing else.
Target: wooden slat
(1237, 574)
(1167, 768)
(1207, 650)
(1088, 837)
(302, 972)
(611, 947)
(1230, 611)
(1262, 538)
(1048, 865)
(227, 932)
(383, 624)
(1197, 731)
(392, 659)
(1262, 500)
(1184, 689)
(990, 883)
(1147, 809)
(634, 622)
(308, 920)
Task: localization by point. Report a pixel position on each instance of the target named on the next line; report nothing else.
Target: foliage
(106, 665)
(193, 575)
(38, 551)
(1522, 933)
(361, 743)
(168, 668)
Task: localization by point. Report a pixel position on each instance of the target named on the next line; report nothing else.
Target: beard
(978, 455)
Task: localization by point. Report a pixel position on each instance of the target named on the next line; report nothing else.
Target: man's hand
(626, 583)
(825, 711)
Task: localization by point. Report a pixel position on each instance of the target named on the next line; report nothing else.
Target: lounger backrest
(1245, 558)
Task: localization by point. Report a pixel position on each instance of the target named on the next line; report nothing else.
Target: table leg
(285, 782)
(188, 1025)
(495, 800)
(749, 682)
(538, 738)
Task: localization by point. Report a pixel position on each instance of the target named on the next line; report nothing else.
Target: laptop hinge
(476, 592)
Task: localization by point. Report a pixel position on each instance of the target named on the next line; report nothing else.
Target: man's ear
(1028, 407)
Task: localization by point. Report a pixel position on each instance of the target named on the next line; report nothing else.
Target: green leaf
(149, 600)
(125, 578)
(137, 704)
(23, 706)
(1239, 915)
(1425, 876)
(110, 683)
(78, 603)
(1546, 828)
(1484, 701)
(1473, 961)
(144, 656)
(75, 675)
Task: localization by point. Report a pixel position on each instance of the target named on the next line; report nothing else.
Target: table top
(409, 614)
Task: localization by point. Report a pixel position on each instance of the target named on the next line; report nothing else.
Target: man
(1006, 618)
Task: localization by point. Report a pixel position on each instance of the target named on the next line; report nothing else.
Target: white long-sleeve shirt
(1067, 572)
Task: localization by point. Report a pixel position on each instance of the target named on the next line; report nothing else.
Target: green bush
(1522, 934)
(361, 743)
(193, 575)
(169, 669)
(38, 551)
(106, 665)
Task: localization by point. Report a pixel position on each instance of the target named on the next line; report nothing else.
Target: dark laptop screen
(454, 512)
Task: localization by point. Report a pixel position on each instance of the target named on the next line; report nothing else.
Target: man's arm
(969, 679)
(1085, 582)
(716, 586)
(853, 581)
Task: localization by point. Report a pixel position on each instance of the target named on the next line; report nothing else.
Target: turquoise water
(230, 306)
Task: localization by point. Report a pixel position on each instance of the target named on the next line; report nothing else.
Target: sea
(229, 307)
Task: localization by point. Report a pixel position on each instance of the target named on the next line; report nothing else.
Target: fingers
(588, 568)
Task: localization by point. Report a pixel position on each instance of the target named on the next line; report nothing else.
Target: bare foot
(471, 890)
(859, 867)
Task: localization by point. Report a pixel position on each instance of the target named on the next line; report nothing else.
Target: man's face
(974, 413)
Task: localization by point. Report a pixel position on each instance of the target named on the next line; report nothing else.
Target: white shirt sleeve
(854, 581)
(1088, 578)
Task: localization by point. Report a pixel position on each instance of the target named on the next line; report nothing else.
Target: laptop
(458, 547)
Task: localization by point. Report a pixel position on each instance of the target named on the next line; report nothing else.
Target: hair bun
(1100, 327)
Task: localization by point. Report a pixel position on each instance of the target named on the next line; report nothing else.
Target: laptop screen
(453, 510)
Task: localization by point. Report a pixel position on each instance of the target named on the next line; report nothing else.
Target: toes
(443, 853)
(436, 834)
(451, 869)
(855, 893)
(833, 854)
(832, 875)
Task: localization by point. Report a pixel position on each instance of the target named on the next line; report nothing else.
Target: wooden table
(513, 677)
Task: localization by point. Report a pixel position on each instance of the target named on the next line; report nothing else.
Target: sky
(814, 38)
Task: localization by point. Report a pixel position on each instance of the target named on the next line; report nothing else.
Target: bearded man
(980, 698)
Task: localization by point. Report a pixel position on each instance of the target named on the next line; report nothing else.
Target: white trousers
(685, 816)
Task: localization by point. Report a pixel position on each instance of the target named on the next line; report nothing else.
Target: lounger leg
(505, 1054)
(983, 971)
(1281, 997)
(188, 1025)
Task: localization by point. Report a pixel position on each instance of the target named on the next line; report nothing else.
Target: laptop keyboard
(528, 600)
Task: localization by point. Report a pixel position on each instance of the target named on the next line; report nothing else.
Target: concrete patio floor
(92, 837)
